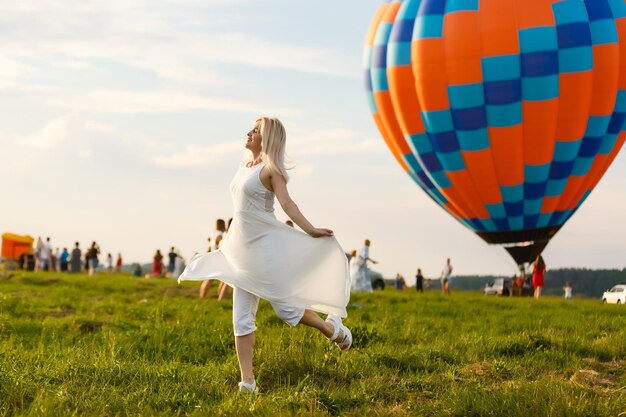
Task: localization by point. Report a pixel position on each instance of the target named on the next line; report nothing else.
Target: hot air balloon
(505, 112)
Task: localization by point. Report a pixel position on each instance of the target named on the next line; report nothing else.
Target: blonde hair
(273, 143)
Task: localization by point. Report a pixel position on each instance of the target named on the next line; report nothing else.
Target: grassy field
(117, 345)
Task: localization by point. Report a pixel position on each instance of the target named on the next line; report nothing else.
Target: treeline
(588, 282)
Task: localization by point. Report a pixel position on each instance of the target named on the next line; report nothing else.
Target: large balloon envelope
(505, 112)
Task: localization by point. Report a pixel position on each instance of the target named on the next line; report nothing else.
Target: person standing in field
(446, 277)
(220, 228)
(363, 283)
(567, 290)
(300, 274)
(109, 263)
(157, 264)
(63, 260)
(92, 258)
(419, 281)
(118, 263)
(358, 279)
(171, 264)
(45, 256)
(76, 259)
(539, 270)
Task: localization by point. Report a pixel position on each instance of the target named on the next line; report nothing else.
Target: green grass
(116, 345)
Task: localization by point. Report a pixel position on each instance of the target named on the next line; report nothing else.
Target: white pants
(245, 306)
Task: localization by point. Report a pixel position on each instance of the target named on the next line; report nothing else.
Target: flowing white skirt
(278, 263)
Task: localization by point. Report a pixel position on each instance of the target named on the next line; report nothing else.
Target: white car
(498, 287)
(616, 295)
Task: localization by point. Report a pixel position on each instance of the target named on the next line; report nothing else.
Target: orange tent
(14, 245)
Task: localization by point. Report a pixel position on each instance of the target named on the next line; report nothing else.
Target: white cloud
(195, 156)
(335, 141)
(53, 133)
(157, 101)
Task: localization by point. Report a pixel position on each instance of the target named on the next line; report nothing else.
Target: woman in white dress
(300, 274)
(357, 275)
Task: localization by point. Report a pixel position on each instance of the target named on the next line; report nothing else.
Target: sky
(123, 122)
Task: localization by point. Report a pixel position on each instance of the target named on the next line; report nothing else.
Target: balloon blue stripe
(590, 146)
(444, 142)
(576, 59)
(438, 121)
(573, 35)
(379, 56)
(566, 150)
(556, 187)
(495, 210)
(530, 221)
(409, 9)
(598, 10)
(500, 68)
(512, 193)
(514, 209)
(452, 161)
(419, 144)
(538, 39)
(382, 34)
(473, 140)
(582, 166)
(466, 95)
(505, 115)
(501, 223)
(430, 7)
(503, 92)
(461, 5)
(617, 122)
(566, 12)
(428, 27)
(379, 79)
(540, 88)
(618, 7)
(608, 144)
(534, 190)
(536, 173)
(537, 64)
(469, 119)
(603, 32)
(402, 30)
(543, 220)
(399, 54)
(441, 179)
(532, 206)
(477, 225)
(431, 162)
(560, 169)
(597, 126)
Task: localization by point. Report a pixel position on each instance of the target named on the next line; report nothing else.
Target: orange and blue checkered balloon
(505, 112)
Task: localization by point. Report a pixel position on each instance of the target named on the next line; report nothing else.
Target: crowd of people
(43, 257)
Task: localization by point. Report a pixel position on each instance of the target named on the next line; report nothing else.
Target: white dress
(359, 272)
(272, 260)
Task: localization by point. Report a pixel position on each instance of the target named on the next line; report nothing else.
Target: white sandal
(248, 388)
(341, 334)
